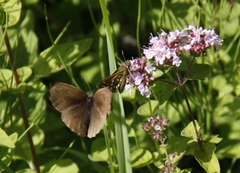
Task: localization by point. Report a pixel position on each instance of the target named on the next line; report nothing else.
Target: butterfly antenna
(123, 56)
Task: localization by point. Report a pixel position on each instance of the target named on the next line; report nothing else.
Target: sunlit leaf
(148, 109)
(6, 154)
(10, 11)
(99, 151)
(189, 130)
(5, 140)
(140, 158)
(22, 150)
(24, 73)
(229, 148)
(207, 158)
(63, 166)
(49, 60)
(6, 77)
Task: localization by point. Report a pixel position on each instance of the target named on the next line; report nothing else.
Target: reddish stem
(21, 102)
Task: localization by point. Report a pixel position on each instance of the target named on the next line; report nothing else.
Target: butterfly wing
(101, 108)
(117, 81)
(73, 104)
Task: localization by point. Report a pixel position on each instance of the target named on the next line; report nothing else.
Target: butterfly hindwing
(77, 119)
(101, 108)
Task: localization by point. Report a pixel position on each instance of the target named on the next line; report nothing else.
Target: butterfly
(117, 81)
(83, 114)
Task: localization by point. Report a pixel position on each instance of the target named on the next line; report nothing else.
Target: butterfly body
(83, 114)
(116, 81)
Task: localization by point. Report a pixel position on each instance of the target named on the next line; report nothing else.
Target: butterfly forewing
(79, 110)
(64, 96)
(117, 81)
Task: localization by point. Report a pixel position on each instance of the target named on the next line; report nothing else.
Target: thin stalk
(21, 103)
(108, 149)
(192, 117)
(181, 83)
(138, 25)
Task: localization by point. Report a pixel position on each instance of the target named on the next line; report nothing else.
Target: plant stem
(181, 83)
(162, 80)
(21, 102)
(192, 117)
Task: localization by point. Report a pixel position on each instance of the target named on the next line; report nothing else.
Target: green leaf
(5, 140)
(24, 73)
(140, 158)
(229, 148)
(10, 11)
(199, 71)
(4, 167)
(129, 96)
(177, 144)
(28, 170)
(221, 84)
(49, 60)
(22, 150)
(162, 91)
(99, 151)
(148, 109)
(207, 158)
(6, 77)
(214, 139)
(63, 166)
(6, 154)
(189, 130)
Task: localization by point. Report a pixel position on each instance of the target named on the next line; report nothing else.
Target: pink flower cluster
(155, 128)
(140, 76)
(169, 166)
(166, 49)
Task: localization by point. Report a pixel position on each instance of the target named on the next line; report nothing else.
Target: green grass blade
(122, 142)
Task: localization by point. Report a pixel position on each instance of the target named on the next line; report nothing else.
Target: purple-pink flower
(155, 127)
(140, 76)
(166, 49)
(169, 166)
(199, 40)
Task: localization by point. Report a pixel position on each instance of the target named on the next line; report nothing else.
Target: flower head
(199, 40)
(169, 166)
(166, 49)
(140, 76)
(155, 128)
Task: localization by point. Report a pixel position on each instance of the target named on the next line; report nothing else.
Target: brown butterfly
(117, 81)
(83, 114)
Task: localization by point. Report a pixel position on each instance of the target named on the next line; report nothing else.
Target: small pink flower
(155, 127)
(140, 76)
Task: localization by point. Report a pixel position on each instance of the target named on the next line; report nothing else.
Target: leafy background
(67, 41)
